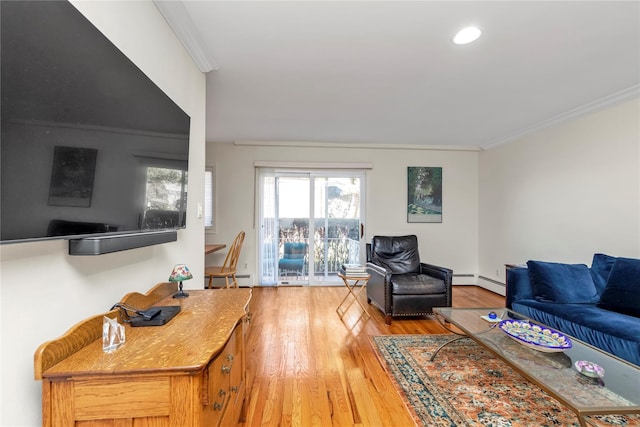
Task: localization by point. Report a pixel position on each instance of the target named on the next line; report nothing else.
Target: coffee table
(618, 392)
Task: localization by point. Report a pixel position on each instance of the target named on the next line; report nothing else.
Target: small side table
(351, 282)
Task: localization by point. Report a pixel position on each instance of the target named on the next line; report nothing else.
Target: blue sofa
(599, 305)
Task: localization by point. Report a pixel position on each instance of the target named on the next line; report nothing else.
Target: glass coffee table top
(554, 370)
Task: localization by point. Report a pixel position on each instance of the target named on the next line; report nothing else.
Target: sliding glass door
(293, 201)
(311, 224)
(337, 224)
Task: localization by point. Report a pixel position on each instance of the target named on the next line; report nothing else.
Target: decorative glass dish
(589, 369)
(535, 336)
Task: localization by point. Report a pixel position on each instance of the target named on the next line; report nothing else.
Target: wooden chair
(229, 267)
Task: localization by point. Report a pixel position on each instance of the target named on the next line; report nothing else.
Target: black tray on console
(166, 313)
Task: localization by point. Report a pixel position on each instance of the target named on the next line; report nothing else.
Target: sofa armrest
(377, 270)
(378, 289)
(518, 286)
(442, 273)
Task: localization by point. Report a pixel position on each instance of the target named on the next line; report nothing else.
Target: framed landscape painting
(424, 201)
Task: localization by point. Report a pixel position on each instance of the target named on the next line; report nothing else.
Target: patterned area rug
(467, 386)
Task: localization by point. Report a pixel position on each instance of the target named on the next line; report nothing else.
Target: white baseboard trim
(492, 285)
(244, 281)
(464, 279)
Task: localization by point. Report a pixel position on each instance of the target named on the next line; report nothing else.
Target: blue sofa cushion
(600, 268)
(562, 283)
(613, 332)
(622, 293)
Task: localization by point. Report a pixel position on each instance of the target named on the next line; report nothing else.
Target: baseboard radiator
(244, 281)
(464, 279)
(492, 285)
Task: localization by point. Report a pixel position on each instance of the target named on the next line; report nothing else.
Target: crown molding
(362, 146)
(607, 101)
(180, 22)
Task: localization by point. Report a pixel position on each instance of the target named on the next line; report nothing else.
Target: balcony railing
(339, 247)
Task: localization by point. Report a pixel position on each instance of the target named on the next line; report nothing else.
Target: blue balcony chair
(293, 259)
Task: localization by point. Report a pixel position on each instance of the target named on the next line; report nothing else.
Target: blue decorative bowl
(535, 336)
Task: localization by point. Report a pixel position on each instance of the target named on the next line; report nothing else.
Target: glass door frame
(310, 278)
(327, 279)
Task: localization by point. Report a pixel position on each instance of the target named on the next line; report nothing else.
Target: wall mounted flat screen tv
(90, 145)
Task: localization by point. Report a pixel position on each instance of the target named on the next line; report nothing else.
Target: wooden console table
(189, 372)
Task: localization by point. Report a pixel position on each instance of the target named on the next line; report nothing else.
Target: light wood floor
(306, 367)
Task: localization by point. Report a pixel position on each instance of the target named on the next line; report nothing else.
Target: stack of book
(354, 270)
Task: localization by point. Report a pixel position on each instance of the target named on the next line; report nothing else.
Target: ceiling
(387, 72)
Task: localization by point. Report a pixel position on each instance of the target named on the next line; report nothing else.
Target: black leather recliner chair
(400, 285)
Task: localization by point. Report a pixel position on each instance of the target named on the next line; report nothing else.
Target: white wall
(563, 193)
(44, 291)
(452, 243)
(560, 194)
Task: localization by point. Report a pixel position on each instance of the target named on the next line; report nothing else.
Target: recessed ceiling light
(467, 35)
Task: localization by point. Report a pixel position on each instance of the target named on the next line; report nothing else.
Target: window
(209, 199)
(165, 198)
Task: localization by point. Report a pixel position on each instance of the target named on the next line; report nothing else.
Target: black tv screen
(90, 145)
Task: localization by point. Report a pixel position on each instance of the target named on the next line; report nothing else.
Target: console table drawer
(224, 376)
(121, 398)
